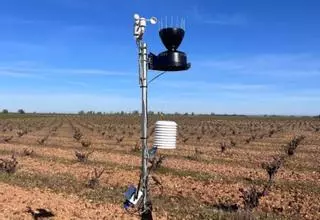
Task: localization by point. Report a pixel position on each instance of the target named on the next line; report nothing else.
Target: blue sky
(248, 57)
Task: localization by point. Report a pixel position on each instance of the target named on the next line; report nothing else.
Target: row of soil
(188, 168)
(71, 181)
(234, 156)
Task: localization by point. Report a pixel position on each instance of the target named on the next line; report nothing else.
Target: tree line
(6, 111)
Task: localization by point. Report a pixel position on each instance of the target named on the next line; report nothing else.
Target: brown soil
(205, 179)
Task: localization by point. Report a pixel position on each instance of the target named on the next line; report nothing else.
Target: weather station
(165, 131)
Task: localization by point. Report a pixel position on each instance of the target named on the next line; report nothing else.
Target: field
(218, 160)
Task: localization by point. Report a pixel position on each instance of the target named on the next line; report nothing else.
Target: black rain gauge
(165, 131)
(171, 59)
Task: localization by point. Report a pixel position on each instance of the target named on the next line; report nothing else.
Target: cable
(157, 76)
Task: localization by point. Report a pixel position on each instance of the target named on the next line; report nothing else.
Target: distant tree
(5, 111)
(21, 111)
(135, 112)
(99, 113)
(90, 113)
(186, 114)
(151, 112)
(212, 113)
(192, 113)
(81, 112)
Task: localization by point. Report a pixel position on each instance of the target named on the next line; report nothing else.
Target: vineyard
(223, 168)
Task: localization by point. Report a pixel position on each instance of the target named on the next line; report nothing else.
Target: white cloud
(85, 72)
(208, 86)
(286, 65)
(78, 83)
(219, 18)
(12, 20)
(68, 102)
(36, 72)
(240, 103)
(17, 74)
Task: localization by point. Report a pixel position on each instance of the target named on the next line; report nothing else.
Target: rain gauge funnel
(171, 37)
(165, 135)
(172, 59)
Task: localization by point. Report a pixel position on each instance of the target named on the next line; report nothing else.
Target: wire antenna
(166, 22)
(183, 24)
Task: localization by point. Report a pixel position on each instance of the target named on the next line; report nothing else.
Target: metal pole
(144, 126)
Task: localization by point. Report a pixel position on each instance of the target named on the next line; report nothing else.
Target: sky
(247, 57)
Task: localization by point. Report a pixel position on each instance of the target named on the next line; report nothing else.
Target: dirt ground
(198, 180)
